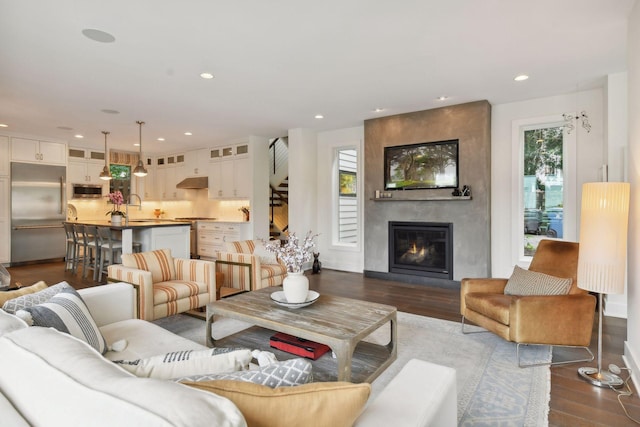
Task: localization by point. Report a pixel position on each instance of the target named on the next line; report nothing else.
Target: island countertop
(150, 233)
(137, 224)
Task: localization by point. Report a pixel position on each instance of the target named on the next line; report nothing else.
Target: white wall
(632, 346)
(339, 257)
(303, 200)
(259, 147)
(617, 124)
(590, 149)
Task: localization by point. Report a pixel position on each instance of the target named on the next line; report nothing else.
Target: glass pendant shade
(106, 173)
(140, 169)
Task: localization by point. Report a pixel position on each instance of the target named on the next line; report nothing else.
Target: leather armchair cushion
(493, 306)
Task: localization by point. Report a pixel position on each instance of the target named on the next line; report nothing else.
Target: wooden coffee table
(340, 323)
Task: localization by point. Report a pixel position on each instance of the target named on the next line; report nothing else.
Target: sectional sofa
(50, 378)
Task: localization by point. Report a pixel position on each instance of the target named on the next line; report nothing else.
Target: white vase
(116, 219)
(295, 287)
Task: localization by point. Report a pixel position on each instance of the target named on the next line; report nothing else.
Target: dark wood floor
(574, 402)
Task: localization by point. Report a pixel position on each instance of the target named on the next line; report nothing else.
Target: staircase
(279, 187)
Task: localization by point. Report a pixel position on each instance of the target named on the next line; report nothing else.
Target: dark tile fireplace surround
(469, 247)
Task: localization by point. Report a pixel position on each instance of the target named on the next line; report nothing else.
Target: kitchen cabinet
(169, 171)
(146, 185)
(231, 175)
(213, 236)
(34, 151)
(86, 154)
(197, 162)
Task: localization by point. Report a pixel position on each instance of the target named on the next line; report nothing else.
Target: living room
(610, 102)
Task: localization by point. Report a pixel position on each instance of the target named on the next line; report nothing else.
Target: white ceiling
(279, 63)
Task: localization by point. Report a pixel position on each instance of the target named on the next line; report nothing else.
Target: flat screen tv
(426, 165)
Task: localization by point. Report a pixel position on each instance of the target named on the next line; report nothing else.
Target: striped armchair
(166, 285)
(245, 270)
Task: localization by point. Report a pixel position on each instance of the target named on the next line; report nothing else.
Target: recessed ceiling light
(319, 116)
(442, 98)
(108, 111)
(2, 125)
(188, 133)
(160, 139)
(521, 77)
(136, 144)
(206, 75)
(98, 36)
(79, 136)
(378, 110)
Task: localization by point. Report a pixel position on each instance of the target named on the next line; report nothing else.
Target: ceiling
(276, 64)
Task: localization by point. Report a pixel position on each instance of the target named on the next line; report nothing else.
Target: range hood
(194, 183)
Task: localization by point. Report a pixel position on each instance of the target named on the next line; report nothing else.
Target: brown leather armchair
(556, 320)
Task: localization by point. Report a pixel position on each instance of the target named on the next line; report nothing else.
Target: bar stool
(72, 249)
(91, 258)
(81, 251)
(110, 250)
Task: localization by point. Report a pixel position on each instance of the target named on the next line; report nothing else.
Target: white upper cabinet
(34, 151)
(197, 162)
(86, 154)
(230, 174)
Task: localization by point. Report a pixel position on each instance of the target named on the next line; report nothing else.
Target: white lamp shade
(602, 262)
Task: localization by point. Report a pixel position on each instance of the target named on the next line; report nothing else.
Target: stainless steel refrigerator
(38, 209)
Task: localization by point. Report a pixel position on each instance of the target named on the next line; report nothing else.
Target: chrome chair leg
(552, 363)
(471, 332)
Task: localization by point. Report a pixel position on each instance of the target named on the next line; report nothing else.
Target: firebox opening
(421, 248)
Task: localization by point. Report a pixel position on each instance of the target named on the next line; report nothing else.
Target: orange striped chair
(247, 266)
(166, 285)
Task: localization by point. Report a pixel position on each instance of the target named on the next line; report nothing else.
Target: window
(121, 180)
(544, 198)
(543, 186)
(347, 191)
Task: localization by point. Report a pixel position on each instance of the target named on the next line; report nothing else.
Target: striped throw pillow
(524, 282)
(159, 263)
(68, 313)
(34, 298)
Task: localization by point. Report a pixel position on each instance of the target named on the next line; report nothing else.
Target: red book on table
(298, 346)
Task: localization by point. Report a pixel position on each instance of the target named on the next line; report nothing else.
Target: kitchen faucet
(126, 206)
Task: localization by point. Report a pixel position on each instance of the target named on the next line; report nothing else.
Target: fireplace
(421, 248)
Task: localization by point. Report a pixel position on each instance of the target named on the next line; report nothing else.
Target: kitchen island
(151, 234)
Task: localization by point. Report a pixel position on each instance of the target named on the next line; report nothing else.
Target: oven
(193, 233)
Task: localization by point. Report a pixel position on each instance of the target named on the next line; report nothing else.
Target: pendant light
(140, 170)
(106, 173)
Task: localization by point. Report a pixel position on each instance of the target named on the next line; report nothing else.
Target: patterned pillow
(188, 362)
(29, 300)
(159, 263)
(524, 282)
(68, 313)
(288, 373)
(6, 296)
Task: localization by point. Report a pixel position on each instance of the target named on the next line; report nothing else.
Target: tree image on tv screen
(423, 166)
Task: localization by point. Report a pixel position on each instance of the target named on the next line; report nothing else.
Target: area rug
(491, 389)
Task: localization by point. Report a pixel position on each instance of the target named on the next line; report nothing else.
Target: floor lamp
(602, 262)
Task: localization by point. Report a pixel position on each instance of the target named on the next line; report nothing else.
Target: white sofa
(50, 378)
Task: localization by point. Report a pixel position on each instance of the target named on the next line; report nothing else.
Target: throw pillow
(32, 299)
(159, 263)
(314, 404)
(189, 362)
(263, 254)
(68, 313)
(6, 296)
(524, 282)
(280, 374)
